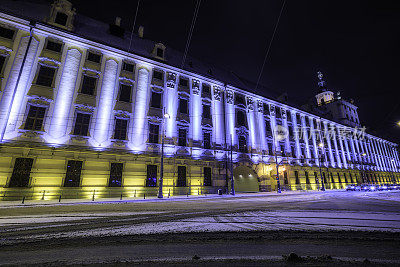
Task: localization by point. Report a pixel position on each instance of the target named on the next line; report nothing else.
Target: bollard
(135, 193)
(44, 191)
(144, 196)
(23, 200)
(94, 191)
(120, 197)
(198, 191)
(169, 192)
(59, 199)
(187, 194)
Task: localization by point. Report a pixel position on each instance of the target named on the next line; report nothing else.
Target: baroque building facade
(82, 117)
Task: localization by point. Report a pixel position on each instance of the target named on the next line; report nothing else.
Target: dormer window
(94, 57)
(159, 51)
(61, 18)
(127, 66)
(54, 46)
(62, 15)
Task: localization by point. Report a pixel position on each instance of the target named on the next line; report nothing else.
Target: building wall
(238, 124)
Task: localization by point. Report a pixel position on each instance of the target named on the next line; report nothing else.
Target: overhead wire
(188, 40)
(270, 44)
(133, 27)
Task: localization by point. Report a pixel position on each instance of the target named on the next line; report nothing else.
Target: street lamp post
(278, 183)
(362, 168)
(160, 187)
(321, 145)
(232, 179)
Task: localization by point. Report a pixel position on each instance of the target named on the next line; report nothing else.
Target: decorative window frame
(37, 102)
(50, 63)
(93, 51)
(160, 91)
(54, 40)
(122, 82)
(93, 74)
(159, 46)
(128, 61)
(120, 116)
(84, 109)
(10, 28)
(4, 52)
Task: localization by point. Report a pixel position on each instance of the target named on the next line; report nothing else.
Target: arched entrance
(246, 179)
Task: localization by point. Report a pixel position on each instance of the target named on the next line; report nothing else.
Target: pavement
(345, 225)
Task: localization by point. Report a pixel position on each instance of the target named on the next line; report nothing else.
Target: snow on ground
(383, 195)
(52, 218)
(247, 221)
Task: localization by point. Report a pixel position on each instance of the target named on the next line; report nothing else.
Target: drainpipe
(31, 26)
(226, 145)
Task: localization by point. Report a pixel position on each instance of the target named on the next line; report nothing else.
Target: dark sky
(356, 44)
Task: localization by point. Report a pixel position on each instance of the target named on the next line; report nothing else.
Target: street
(257, 227)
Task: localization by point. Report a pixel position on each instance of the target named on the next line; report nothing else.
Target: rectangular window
(45, 76)
(316, 177)
(181, 176)
(94, 57)
(239, 100)
(34, 120)
(73, 175)
(307, 178)
(153, 133)
(61, 18)
(21, 173)
(182, 137)
(158, 75)
(82, 121)
(155, 100)
(151, 178)
(207, 140)
(183, 82)
(88, 85)
(286, 181)
(6, 32)
(116, 175)
(240, 118)
(183, 106)
(129, 67)
(206, 91)
(270, 150)
(125, 92)
(54, 46)
(207, 176)
(121, 126)
(242, 144)
(296, 175)
(266, 109)
(207, 111)
(338, 176)
(2, 62)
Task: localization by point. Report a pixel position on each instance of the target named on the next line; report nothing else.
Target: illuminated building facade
(83, 114)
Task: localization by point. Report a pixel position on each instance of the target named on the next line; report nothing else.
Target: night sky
(354, 43)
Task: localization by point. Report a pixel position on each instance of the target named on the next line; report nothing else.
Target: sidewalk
(53, 202)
